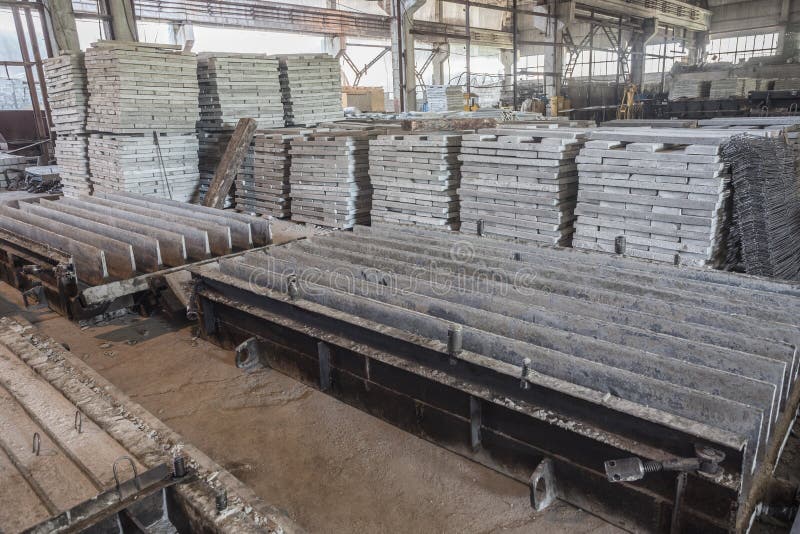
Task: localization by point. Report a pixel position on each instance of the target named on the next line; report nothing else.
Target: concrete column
(60, 19)
(403, 59)
(554, 62)
(123, 20)
(182, 33)
(638, 55)
(437, 63)
(334, 45)
(507, 60)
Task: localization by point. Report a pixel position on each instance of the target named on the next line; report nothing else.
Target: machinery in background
(630, 108)
(471, 102)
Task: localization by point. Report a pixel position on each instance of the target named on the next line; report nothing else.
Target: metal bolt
(619, 244)
(480, 227)
(526, 365)
(294, 290)
(179, 467)
(221, 501)
(454, 340)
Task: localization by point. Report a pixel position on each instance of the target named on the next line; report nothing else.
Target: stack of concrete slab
(72, 155)
(10, 162)
(445, 98)
(143, 109)
(235, 86)
(520, 184)
(266, 190)
(65, 76)
(311, 89)
(139, 86)
(654, 193)
(212, 145)
(787, 84)
(161, 165)
(329, 178)
(684, 88)
(415, 179)
(737, 87)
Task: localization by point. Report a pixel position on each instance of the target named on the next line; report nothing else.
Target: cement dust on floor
(331, 467)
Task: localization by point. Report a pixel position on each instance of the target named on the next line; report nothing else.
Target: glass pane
(89, 31)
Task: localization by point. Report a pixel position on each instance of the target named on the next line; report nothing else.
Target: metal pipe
(469, 47)
(514, 51)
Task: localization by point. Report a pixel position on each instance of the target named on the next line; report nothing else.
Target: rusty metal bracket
(248, 355)
(544, 490)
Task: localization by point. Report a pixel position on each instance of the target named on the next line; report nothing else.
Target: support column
(554, 62)
(403, 60)
(123, 20)
(182, 33)
(507, 60)
(638, 50)
(60, 20)
(437, 63)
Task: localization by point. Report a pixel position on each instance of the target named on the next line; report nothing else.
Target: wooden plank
(119, 255)
(219, 237)
(146, 251)
(197, 246)
(89, 261)
(229, 164)
(171, 244)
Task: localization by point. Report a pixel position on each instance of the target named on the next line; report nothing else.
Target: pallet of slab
(415, 178)
(65, 77)
(163, 165)
(235, 86)
(665, 201)
(329, 181)
(311, 89)
(523, 184)
(72, 156)
(135, 88)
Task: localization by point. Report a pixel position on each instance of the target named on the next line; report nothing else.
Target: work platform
(567, 370)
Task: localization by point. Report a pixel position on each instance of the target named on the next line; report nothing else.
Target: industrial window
(735, 49)
(602, 62)
(531, 65)
(663, 56)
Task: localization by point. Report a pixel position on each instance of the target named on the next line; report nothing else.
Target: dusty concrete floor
(330, 466)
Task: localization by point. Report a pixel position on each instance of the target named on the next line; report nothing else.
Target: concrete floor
(331, 467)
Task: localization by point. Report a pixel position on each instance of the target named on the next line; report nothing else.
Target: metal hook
(135, 474)
(37, 443)
(78, 421)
